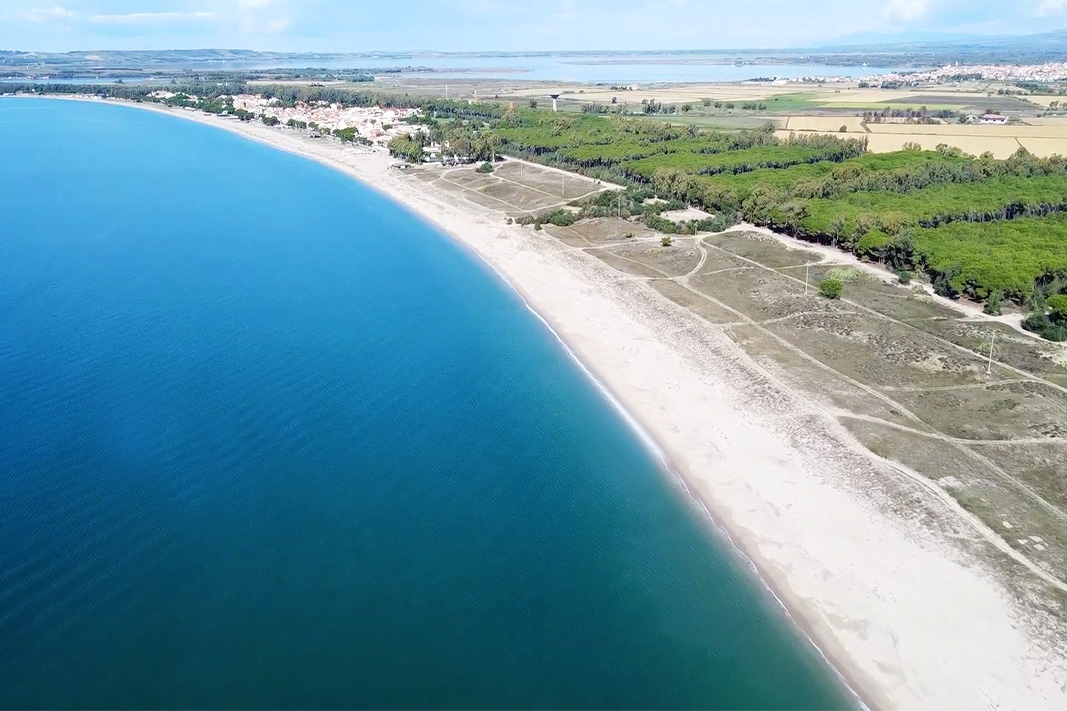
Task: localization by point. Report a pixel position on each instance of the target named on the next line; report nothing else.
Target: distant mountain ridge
(1054, 40)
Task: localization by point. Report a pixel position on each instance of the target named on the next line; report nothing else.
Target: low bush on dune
(831, 288)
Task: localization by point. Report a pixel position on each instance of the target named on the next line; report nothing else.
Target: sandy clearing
(1001, 147)
(854, 124)
(896, 96)
(971, 130)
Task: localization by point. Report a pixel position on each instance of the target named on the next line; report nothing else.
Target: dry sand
(887, 575)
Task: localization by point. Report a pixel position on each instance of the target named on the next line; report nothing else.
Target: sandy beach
(908, 603)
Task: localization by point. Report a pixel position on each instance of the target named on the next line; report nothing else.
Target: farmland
(1042, 139)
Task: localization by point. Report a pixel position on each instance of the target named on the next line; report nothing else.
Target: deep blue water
(268, 440)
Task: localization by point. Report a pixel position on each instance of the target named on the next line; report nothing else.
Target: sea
(269, 440)
(592, 67)
(639, 67)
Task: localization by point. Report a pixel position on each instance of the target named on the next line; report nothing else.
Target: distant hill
(918, 40)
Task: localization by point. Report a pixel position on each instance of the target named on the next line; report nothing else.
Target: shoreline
(750, 475)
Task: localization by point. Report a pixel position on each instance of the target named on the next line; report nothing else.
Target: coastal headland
(908, 594)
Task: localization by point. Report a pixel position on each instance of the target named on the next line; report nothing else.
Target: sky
(482, 25)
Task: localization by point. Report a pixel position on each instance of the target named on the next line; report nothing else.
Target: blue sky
(450, 25)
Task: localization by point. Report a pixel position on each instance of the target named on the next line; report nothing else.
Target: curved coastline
(835, 660)
(852, 670)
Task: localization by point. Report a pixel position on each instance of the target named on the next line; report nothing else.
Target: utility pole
(563, 185)
(989, 364)
(807, 270)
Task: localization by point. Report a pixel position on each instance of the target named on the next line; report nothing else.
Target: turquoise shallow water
(268, 440)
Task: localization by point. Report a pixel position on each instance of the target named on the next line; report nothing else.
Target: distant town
(375, 125)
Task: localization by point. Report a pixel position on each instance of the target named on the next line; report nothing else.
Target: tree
(945, 281)
(831, 288)
(665, 240)
(485, 167)
(793, 213)
(1057, 305)
(900, 250)
(994, 303)
(269, 120)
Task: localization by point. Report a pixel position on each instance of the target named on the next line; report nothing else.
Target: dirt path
(905, 324)
(957, 443)
(832, 255)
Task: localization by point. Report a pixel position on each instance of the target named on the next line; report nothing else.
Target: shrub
(994, 303)
(485, 167)
(873, 244)
(665, 240)
(904, 276)
(845, 275)
(1058, 307)
(843, 129)
(831, 288)
(1048, 329)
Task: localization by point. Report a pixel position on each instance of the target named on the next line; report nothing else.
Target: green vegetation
(409, 148)
(991, 230)
(559, 218)
(485, 167)
(973, 226)
(1012, 257)
(831, 288)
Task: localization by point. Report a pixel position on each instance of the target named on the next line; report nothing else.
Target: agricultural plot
(824, 124)
(1042, 139)
(1000, 146)
(513, 188)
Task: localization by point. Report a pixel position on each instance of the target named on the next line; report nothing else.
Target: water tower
(554, 97)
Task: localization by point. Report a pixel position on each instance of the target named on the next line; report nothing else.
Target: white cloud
(55, 13)
(277, 25)
(906, 10)
(269, 17)
(566, 12)
(1051, 7)
(150, 18)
